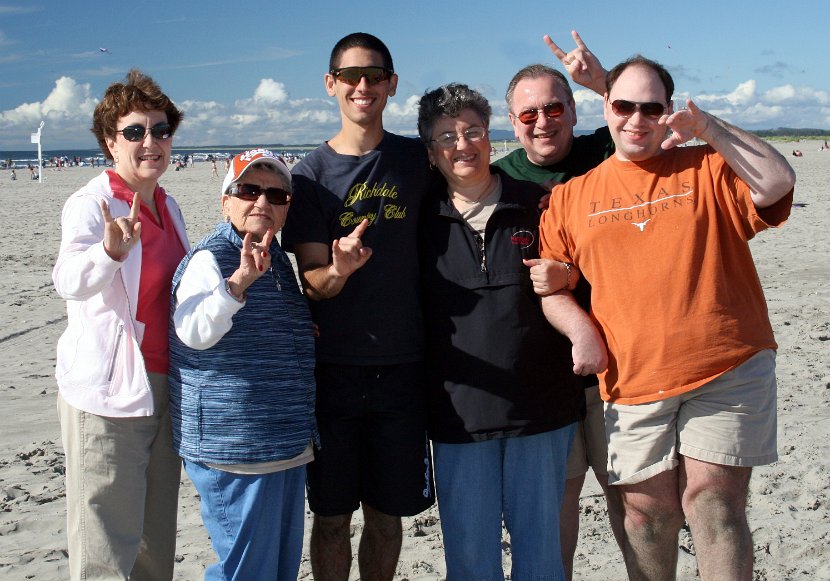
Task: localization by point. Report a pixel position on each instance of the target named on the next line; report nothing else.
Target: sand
(788, 505)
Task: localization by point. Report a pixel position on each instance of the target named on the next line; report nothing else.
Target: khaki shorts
(729, 421)
(590, 448)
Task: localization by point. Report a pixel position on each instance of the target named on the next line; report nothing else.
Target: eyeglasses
(251, 193)
(352, 75)
(551, 111)
(448, 140)
(137, 132)
(623, 108)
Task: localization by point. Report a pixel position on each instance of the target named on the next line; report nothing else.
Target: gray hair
(448, 101)
(536, 71)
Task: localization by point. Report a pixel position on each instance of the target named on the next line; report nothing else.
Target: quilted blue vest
(250, 397)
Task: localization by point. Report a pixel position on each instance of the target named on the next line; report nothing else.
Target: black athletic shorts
(373, 440)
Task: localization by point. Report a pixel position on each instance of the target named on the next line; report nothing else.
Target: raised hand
(122, 233)
(685, 124)
(348, 253)
(581, 64)
(254, 260)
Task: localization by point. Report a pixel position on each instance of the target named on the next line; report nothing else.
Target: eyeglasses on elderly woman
(448, 140)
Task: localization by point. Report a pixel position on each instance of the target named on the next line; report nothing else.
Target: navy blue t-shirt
(376, 318)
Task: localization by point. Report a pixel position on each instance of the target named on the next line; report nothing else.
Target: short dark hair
(448, 101)
(360, 40)
(137, 92)
(536, 71)
(640, 60)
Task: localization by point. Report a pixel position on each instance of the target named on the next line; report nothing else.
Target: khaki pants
(122, 487)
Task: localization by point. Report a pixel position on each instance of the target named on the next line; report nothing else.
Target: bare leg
(569, 522)
(331, 547)
(380, 545)
(615, 510)
(653, 517)
(714, 501)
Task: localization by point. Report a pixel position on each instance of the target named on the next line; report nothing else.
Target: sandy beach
(788, 505)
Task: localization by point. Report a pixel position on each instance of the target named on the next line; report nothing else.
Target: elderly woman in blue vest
(242, 378)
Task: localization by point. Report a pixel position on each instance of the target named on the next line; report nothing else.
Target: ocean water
(22, 158)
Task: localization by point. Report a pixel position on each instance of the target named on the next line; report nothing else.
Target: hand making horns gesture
(581, 64)
(348, 253)
(254, 260)
(122, 233)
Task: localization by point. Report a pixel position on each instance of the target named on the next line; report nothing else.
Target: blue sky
(252, 72)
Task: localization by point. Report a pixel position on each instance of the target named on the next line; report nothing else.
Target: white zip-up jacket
(99, 367)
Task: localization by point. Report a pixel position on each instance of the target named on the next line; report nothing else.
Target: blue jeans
(255, 522)
(521, 480)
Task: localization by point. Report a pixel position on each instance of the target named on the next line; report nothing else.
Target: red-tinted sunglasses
(623, 108)
(251, 193)
(551, 110)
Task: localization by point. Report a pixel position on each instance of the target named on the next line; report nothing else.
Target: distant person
(542, 111)
(797, 153)
(242, 378)
(661, 233)
(214, 173)
(122, 238)
(14, 175)
(503, 402)
(353, 227)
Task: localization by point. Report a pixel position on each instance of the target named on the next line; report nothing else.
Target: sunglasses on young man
(352, 75)
(551, 111)
(137, 132)
(623, 108)
(251, 193)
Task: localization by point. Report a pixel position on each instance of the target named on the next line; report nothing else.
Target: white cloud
(271, 92)
(790, 95)
(269, 115)
(408, 109)
(67, 111)
(742, 95)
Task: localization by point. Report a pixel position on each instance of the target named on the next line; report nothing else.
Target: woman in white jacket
(122, 238)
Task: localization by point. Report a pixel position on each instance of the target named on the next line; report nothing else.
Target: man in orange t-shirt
(661, 233)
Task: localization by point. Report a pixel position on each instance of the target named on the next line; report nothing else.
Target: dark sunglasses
(352, 75)
(551, 110)
(251, 193)
(623, 108)
(137, 132)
